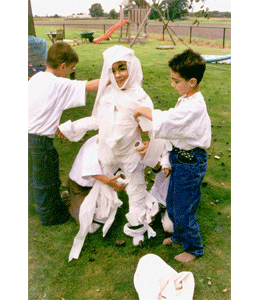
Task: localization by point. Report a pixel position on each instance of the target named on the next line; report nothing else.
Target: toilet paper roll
(154, 152)
(145, 124)
(122, 179)
(138, 145)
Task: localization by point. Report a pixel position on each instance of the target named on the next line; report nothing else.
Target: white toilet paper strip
(154, 152)
(145, 123)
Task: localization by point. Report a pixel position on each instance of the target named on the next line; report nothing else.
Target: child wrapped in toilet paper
(113, 116)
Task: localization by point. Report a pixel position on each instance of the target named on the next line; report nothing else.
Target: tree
(174, 9)
(141, 3)
(31, 29)
(96, 10)
(154, 15)
(113, 14)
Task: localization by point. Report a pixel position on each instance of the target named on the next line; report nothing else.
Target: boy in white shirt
(188, 127)
(49, 94)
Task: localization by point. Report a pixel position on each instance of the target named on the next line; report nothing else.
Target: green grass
(103, 270)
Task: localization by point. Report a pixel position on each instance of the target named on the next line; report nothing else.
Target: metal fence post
(224, 35)
(63, 31)
(104, 27)
(190, 33)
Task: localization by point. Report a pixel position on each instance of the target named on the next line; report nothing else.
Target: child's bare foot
(185, 257)
(167, 241)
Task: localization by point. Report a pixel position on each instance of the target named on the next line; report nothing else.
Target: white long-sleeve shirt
(187, 125)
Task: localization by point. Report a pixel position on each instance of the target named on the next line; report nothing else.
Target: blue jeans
(44, 181)
(183, 198)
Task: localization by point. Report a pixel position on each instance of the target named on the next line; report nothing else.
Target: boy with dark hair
(188, 128)
(188, 64)
(50, 93)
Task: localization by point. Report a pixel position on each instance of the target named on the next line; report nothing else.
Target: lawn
(105, 271)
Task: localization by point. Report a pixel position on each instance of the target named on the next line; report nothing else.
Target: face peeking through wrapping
(120, 72)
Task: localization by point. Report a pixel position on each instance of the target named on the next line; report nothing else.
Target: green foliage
(96, 10)
(142, 3)
(214, 14)
(113, 14)
(154, 14)
(104, 270)
(173, 9)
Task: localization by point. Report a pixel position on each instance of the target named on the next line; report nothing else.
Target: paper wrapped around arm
(74, 131)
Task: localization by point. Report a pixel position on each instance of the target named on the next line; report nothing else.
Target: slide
(110, 32)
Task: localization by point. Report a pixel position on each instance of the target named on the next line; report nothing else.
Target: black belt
(186, 156)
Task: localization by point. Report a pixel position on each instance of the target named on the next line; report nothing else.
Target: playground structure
(110, 32)
(137, 18)
(140, 18)
(133, 17)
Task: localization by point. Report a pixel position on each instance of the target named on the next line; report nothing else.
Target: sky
(68, 7)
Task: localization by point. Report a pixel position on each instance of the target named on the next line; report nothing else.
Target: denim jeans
(44, 181)
(183, 198)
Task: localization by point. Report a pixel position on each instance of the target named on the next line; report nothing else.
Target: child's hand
(117, 186)
(60, 134)
(166, 172)
(111, 181)
(143, 111)
(142, 150)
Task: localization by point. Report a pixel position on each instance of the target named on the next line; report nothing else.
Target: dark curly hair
(188, 64)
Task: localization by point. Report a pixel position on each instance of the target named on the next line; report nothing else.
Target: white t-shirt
(49, 95)
(187, 125)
